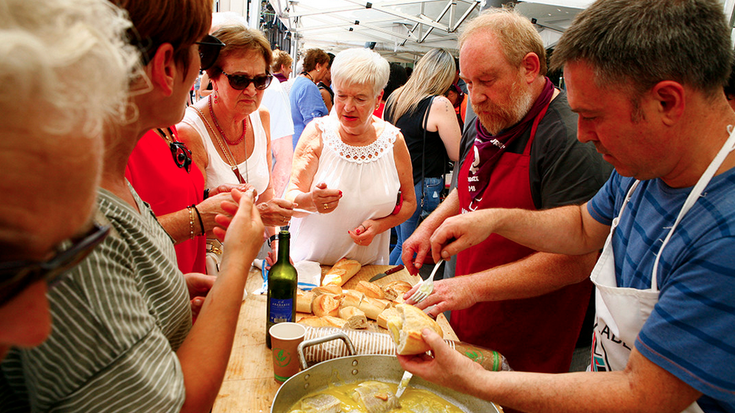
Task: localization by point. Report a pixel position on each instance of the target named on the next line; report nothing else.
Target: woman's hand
(226, 188)
(244, 234)
(325, 200)
(276, 212)
(198, 285)
(364, 233)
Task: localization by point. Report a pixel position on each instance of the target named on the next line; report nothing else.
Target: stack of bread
(332, 306)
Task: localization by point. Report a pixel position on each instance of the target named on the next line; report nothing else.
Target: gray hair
(361, 66)
(66, 65)
(515, 33)
(647, 41)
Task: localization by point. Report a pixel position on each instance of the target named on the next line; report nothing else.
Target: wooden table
(248, 385)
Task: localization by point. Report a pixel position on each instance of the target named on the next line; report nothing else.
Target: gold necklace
(230, 159)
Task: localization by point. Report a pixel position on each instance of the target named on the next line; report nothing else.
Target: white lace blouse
(368, 179)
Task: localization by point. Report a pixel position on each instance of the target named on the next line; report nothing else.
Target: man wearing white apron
(646, 78)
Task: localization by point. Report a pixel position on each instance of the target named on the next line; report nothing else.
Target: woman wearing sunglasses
(161, 170)
(228, 135)
(51, 147)
(348, 170)
(123, 338)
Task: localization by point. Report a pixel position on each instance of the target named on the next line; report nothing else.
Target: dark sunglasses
(181, 154)
(241, 82)
(209, 49)
(17, 275)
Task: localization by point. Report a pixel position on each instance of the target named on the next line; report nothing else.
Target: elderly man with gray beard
(526, 155)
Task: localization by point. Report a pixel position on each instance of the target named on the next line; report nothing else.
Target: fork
(426, 287)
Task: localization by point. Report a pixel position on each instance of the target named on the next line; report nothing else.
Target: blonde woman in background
(432, 148)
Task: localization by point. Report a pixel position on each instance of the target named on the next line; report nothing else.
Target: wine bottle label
(281, 310)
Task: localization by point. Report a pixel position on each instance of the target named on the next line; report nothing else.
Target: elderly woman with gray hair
(349, 169)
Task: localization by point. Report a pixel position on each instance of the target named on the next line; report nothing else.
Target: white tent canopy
(403, 30)
(400, 30)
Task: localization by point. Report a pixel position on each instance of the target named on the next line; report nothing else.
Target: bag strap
(423, 150)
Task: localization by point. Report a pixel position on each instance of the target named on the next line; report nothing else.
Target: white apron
(621, 312)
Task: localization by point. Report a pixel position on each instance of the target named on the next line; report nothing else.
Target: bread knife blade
(387, 273)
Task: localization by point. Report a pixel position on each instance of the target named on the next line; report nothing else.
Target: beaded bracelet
(201, 223)
(191, 223)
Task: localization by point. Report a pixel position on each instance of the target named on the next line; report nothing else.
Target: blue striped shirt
(690, 331)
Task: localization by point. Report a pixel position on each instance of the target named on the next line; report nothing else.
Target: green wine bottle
(282, 281)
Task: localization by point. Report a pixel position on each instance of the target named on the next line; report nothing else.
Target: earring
(216, 96)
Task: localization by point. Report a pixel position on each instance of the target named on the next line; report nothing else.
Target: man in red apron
(646, 78)
(526, 155)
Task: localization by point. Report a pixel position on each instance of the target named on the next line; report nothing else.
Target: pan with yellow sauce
(413, 400)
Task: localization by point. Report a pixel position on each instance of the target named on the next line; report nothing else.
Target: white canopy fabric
(403, 30)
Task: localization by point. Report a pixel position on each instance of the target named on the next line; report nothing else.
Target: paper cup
(285, 337)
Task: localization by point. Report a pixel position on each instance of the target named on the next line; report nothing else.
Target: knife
(402, 385)
(387, 273)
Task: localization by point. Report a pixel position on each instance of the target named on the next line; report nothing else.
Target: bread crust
(371, 290)
(304, 300)
(355, 317)
(408, 327)
(341, 272)
(394, 290)
(325, 304)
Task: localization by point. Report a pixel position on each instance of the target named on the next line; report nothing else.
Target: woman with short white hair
(349, 169)
(65, 67)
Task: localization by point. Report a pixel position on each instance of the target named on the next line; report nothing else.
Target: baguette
(386, 315)
(325, 321)
(371, 290)
(406, 329)
(373, 306)
(394, 290)
(351, 298)
(325, 304)
(327, 289)
(341, 272)
(354, 316)
(303, 301)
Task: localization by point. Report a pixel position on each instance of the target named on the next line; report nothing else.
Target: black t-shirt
(411, 125)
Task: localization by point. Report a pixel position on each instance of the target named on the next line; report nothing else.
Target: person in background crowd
(643, 75)
(281, 66)
(525, 155)
(396, 79)
(458, 101)
(417, 103)
(229, 133)
(275, 99)
(123, 338)
(51, 147)
(349, 167)
(306, 100)
(325, 85)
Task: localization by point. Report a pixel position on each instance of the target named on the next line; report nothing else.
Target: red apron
(536, 334)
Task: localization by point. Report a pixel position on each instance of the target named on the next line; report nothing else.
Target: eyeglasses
(17, 275)
(209, 49)
(241, 82)
(181, 154)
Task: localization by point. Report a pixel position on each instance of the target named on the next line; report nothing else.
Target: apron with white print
(621, 312)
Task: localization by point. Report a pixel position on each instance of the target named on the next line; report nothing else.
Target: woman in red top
(161, 171)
